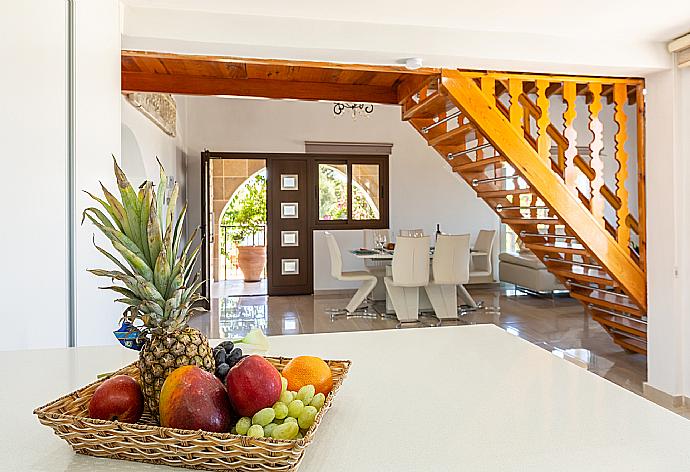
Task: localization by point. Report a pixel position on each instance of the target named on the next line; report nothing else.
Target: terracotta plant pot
(251, 260)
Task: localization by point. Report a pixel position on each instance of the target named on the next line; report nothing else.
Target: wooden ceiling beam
(191, 85)
(281, 62)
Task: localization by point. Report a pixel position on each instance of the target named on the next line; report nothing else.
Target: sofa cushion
(525, 260)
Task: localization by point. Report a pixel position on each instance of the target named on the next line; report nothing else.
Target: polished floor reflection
(558, 325)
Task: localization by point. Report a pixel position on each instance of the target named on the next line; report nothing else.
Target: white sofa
(525, 270)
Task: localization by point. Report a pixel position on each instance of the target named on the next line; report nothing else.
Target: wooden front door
(290, 241)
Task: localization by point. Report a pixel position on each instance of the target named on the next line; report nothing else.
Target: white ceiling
(632, 20)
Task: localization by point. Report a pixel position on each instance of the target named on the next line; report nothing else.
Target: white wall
(683, 144)
(143, 142)
(668, 200)
(33, 193)
(97, 139)
(465, 45)
(423, 189)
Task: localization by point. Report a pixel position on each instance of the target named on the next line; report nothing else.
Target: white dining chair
(376, 267)
(481, 253)
(481, 268)
(450, 269)
(368, 281)
(410, 271)
(411, 233)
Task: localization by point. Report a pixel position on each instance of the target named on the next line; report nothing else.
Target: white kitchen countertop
(470, 398)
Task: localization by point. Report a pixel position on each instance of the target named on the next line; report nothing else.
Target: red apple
(253, 383)
(192, 398)
(117, 399)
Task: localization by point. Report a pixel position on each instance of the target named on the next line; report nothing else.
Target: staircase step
(532, 221)
(503, 193)
(454, 136)
(584, 274)
(478, 165)
(559, 248)
(431, 107)
(606, 300)
(628, 325)
(626, 342)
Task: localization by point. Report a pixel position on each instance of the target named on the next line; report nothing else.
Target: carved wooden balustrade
(561, 160)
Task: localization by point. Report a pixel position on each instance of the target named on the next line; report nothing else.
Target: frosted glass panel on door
(289, 266)
(289, 238)
(289, 210)
(289, 182)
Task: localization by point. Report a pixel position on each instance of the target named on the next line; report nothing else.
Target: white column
(683, 144)
(668, 199)
(98, 123)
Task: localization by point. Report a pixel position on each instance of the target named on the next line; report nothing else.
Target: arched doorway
(228, 180)
(246, 204)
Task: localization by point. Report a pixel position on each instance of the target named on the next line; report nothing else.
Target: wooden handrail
(526, 76)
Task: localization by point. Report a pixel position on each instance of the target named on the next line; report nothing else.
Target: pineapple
(156, 276)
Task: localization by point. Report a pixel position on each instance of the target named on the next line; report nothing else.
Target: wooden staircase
(571, 205)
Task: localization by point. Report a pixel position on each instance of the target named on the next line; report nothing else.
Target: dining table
(473, 398)
(383, 254)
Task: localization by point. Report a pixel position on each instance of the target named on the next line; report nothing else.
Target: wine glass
(378, 243)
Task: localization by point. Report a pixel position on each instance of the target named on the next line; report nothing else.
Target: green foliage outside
(247, 210)
(333, 197)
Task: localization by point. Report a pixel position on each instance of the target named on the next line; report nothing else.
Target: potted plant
(247, 217)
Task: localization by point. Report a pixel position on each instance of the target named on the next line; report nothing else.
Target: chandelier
(357, 109)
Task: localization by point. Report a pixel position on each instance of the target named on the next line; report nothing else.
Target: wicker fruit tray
(145, 441)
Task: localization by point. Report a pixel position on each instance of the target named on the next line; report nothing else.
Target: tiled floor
(238, 288)
(559, 325)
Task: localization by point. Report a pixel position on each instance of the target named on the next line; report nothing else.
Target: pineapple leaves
(145, 199)
(129, 251)
(155, 264)
(160, 194)
(129, 281)
(161, 273)
(171, 206)
(119, 213)
(177, 233)
(113, 258)
(121, 290)
(130, 202)
(153, 234)
(105, 221)
(138, 264)
(191, 262)
(149, 291)
(108, 208)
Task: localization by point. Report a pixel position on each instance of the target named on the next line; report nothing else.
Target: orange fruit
(308, 370)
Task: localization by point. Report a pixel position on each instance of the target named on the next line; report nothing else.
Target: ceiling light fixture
(413, 63)
(358, 109)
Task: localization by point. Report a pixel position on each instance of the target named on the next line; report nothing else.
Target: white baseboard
(662, 398)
